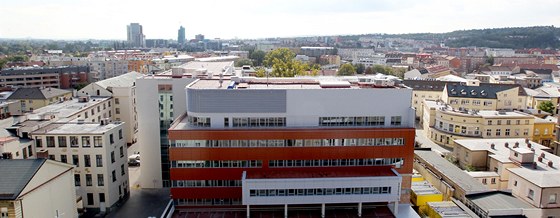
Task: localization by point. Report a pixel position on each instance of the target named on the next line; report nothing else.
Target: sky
(252, 19)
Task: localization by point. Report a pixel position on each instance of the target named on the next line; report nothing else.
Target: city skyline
(57, 19)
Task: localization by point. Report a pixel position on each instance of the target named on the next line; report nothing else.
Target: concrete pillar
(360, 209)
(248, 211)
(322, 210)
(285, 211)
(396, 209)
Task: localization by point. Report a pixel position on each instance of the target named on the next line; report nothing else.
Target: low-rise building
(99, 154)
(63, 77)
(425, 90)
(37, 188)
(35, 98)
(445, 209)
(448, 124)
(499, 204)
(16, 148)
(484, 96)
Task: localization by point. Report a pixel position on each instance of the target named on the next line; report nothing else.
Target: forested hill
(514, 37)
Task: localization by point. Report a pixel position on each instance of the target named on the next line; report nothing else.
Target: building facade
(247, 142)
(135, 35)
(99, 154)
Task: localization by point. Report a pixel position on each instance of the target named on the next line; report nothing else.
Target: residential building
(543, 132)
(9, 108)
(483, 96)
(64, 77)
(199, 37)
(544, 94)
(497, 70)
(451, 124)
(99, 154)
(489, 158)
(526, 168)
(15, 148)
(108, 67)
(431, 90)
(35, 98)
(316, 52)
(37, 188)
(122, 90)
(253, 142)
(135, 36)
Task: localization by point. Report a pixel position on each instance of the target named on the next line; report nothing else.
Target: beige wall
(418, 98)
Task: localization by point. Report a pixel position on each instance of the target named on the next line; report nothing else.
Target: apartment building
(447, 124)
(526, 168)
(483, 96)
(544, 132)
(36, 188)
(35, 98)
(99, 155)
(63, 77)
(254, 142)
(122, 93)
(430, 90)
(16, 148)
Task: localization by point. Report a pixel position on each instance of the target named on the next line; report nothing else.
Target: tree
(346, 70)
(18, 58)
(258, 57)
(379, 69)
(244, 61)
(490, 60)
(369, 70)
(360, 68)
(2, 63)
(546, 106)
(283, 63)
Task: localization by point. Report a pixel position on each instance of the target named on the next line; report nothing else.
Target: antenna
(221, 79)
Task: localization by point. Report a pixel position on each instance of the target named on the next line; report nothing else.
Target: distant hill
(514, 37)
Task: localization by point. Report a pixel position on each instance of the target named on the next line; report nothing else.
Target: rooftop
(335, 172)
(448, 209)
(125, 80)
(427, 85)
(424, 188)
(499, 145)
(496, 200)
(75, 128)
(298, 83)
(38, 93)
(483, 90)
(64, 109)
(16, 174)
(447, 169)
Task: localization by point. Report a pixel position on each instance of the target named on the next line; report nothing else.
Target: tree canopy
(546, 106)
(244, 61)
(346, 70)
(360, 68)
(283, 64)
(258, 57)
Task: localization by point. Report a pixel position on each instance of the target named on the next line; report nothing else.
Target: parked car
(134, 160)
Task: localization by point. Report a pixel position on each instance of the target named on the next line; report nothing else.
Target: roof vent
(81, 121)
(540, 159)
(507, 145)
(493, 146)
(542, 155)
(516, 145)
(550, 164)
(529, 145)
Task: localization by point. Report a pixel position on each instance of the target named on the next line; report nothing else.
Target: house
(35, 98)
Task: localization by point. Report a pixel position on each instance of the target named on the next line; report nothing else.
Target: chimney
(492, 146)
(43, 154)
(507, 145)
(516, 145)
(550, 164)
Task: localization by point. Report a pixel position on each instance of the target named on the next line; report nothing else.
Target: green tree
(380, 69)
(260, 72)
(244, 61)
(2, 63)
(258, 57)
(283, 63)
(490, 60)
(369, 70)
(360, 68)
(546, 106)
(346, 70)
(18, 58)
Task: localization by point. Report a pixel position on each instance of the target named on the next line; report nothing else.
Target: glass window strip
(319, 191)
(291, 142)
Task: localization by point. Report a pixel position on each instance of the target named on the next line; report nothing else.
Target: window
(552, 199)
(90, 198)
(526, 132)
(514, 183)
(112, 157)
(484, 181)
(117, 110)
(38, 142)
(488, 132)
(498, 132)
(507, 132)
(120, 134)
(86, 141)
(116, 101)
(499, 122)
(87, 160)
(74, 141)
(63, 158)
(50, 141)
(100, 181)
(101, 197)
(89, 181)
(51, 156)
(121, 151)
(517, 122)
(75, 160)
(62, 141)
(98, 160)
(531, 194)
(114, 175)
(489, 122)
(396, 121)
(493, 180)
(77, 181)
(97, 141)
(111, 140)
(508, 122)
(122, 169)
